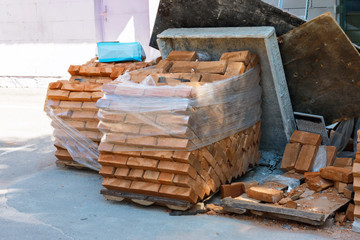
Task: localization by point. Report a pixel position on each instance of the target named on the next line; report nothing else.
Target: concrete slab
(40, 201)
(277, 118)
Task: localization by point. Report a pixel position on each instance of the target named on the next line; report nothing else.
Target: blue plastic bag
(118, 52)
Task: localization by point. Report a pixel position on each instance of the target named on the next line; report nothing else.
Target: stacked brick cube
(178, 136)
(73, 101)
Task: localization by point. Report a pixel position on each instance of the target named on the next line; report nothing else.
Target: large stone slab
(220, 13)
(277, 118)
(322, 69)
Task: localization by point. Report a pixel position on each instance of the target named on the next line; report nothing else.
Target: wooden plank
(157, 200)
(322, 69)
(298, 215)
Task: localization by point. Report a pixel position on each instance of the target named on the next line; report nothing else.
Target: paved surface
(40, 201)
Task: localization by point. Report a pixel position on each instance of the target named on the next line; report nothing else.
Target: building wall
(47, 21)
(316, 7)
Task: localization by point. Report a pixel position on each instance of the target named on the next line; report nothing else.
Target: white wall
(43, 37)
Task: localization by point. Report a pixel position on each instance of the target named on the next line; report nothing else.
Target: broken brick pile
(74, 102)
(166, 152)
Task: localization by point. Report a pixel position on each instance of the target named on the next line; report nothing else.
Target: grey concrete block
(315, 12)
(294, 3)
(322, 3)
(277, 118)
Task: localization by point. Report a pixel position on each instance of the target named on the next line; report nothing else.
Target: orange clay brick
(159, 92)
(74, 70)
(92, 125)
(117, 71)
(234, 69)
(240, 56)
(143, 163)
(58, 94)
(176, 167)
(173, 143)
(305, 138)
(55, 85)
(167, 155)
(306, 158)
(105, 147)
(106, 71)
(182, 67)
(89, 106)
(121, 172)
(217, 67)
(209, 78)
(163, 66)
(290, 156)
(96, 95)
(331, 153)
(112, 160)
(182, 56)
(92, 87)
(141, 141)
(70, 105)
(151, 176)
(182, 156)
(129, 91)
(73, 87)
(172, 119)
(166, 178)
(145, 187)
(136, 174)
(183, 181)
(116, 184)
(83, 115)
(186, 194)
(115, 138)
(107, 171)
(80, 96)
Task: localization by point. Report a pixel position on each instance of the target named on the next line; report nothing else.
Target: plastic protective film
(188, 116)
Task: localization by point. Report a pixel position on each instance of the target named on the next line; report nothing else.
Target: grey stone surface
(277, 118)
(322, 3)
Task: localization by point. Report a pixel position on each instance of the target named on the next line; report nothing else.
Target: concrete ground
(40, 201)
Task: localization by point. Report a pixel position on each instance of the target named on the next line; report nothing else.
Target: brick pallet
(74, 102)
(172, 155)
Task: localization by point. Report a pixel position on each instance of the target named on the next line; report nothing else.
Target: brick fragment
(240, 56)
(343, 162)
(80, 96)
(331, 153)
(305, 138)
(55, 85)
(290, 156)
(265, 194)
(145, 187)
(306, 158)
(112, 160)
(107, 171)
(116, 184)
(350, 212)
(337, 174)
(182, 56)
(318, 183)
(58, 94)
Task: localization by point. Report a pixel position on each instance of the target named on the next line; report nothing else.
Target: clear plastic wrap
(81, 148)
(342, 134)
(188, 116)
(320, 160)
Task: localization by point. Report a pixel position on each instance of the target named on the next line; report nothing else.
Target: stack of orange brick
(74, 102)
(356, 174)
(184, 133)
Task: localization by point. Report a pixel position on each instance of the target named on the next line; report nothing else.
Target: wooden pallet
(71, 164)
(146, 200)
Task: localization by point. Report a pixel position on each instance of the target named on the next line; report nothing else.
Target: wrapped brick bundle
(72, 107)
(172, 134)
